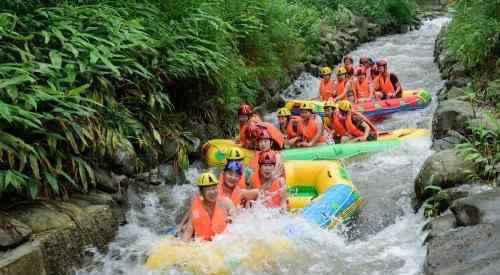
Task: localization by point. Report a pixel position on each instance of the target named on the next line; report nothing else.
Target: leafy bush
(387, 13)
(473, 35)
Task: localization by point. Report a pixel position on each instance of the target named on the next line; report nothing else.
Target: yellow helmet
(325, 70)
(345, 105)
(206, 179)
(330, 103)
(234, 153)
(341, 70)
(307, 106)
(284, 112)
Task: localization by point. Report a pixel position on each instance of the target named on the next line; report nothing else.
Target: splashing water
(262, 241)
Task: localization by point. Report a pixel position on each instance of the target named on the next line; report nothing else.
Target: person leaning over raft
(273, 190)
(209, 212)
(246, 118)
(352, 126)
(386, 84)
(311, 129)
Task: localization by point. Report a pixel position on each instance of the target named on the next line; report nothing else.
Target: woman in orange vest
(348, 63)
(273, 190)
(329, 109)
(264, 143)
(340, 83)
(361, 87)
(386, 84)
(352, 126)
(246, 118)
(325, 84)
(311, 128)
(209, 213)
(289, 126)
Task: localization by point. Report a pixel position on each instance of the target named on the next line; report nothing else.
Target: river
(387, 238)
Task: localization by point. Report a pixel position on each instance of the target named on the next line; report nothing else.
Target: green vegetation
(81, 79)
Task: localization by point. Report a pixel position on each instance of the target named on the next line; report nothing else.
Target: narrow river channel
(387, 238)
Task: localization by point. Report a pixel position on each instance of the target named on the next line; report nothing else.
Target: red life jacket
(326, 89)
(361, 90)
(344, 126)
(340, 88)
(206, 227)
(275, 200)
(309, 130)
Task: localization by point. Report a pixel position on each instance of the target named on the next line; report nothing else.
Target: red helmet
(263, 134)
(268, 157)
(252, 130)
(245, 109)
(382, 62)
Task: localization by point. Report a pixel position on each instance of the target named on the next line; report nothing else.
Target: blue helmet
(234, 166)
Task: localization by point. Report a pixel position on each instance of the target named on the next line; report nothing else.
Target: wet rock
(108, 181)
(451, 115)
(479, 208)
(12, 232)
(444, 169)
(465, 250)
(162, 174)
(124, 160)
(453, 93)
(445, 143)
(276, 101)
(41, 217)
(26, 259)
(459, 82)
(439, 226)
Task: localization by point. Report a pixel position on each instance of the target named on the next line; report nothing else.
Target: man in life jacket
(366, 63)
(311, 128)
(209, 213)
(326, 89)
(232, 185)
(246, 117)
(265, 145)
(340, 83)
(289, 126)
(351, 125)
(361, 87)
(386, 84)
(273, 189)
(348, 64)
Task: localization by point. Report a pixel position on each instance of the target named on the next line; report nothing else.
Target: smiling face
(305, 114)
(267, 170)
(328, 111)
(264, 144)
(326, 76)
(282, 120)
(231, 178)
(209, 193)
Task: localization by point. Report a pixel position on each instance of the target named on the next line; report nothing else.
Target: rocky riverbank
(464, 238)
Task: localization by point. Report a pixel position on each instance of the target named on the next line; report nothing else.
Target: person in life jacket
(326, 88)
(246, 117)
(311, 128)
(209, 213)
(265, 145)
(386, 84)
(234, 154)
(348, 64)
(273, 189)
(340, 83)
(289, 126)
(351, 125)
(366, 63)
(360, 86)
(233, 187)
(329, 107)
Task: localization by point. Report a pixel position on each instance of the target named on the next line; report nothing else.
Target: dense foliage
(81, 79)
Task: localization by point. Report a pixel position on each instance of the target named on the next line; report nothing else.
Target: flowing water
(259, 241)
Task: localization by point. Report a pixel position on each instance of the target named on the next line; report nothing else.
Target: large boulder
(453, 93)
(479, 208)
(41, 217)
(451, 115)
(124, 160)
(444, 169)
(26, 259)
(12, 232)
(440, 226)
(465, 250)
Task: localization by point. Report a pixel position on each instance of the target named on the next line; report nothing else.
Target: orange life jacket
(326, 89)
(344, 126)
(289, 127)
(385, 84)
(275, 187)
(206, 227)
(361, 90)
(309, 130)
(235, 196)
(340, 88)
(243, 126)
